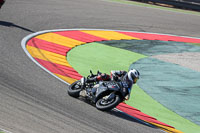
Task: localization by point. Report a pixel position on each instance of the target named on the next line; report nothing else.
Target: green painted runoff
(96, 56)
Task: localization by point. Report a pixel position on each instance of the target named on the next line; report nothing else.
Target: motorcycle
(106, 95)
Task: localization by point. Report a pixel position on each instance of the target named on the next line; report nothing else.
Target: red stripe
(80, 36)
(137, 114)
(48, 46)
(148, 36)
(59, 69)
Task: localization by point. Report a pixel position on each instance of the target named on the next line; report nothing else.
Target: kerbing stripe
(80, 36)
(66, 79)
(109, 35)
(48, 46)
(58, 39)
(59, 69)
(161, 37)
(48, 56)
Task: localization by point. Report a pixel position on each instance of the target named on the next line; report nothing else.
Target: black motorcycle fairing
(105, 88)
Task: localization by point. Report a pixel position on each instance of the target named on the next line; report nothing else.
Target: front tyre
(105, 105)
(74, 89)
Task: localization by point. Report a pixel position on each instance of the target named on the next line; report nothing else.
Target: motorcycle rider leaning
(126, 79)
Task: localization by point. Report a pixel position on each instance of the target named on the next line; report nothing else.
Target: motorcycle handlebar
(93, 75)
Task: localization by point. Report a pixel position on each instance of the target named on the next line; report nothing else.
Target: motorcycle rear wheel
(74, 89)
(101, 104)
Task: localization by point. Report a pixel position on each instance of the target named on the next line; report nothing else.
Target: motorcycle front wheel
(105, 105)
(74, 89)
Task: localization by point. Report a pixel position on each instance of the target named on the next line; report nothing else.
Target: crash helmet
(133, 75)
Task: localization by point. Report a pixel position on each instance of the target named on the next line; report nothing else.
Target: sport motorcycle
(105, 95)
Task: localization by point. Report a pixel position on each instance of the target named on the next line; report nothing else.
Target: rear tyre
(105, 105)
(74, 89)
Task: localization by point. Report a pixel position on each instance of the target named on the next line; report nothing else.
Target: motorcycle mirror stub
(91, 71)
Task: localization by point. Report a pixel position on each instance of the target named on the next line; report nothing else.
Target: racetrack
(33, 101)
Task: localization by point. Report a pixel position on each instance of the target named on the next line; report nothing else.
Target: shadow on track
(117, 113)
(9, 24)
(125, 116)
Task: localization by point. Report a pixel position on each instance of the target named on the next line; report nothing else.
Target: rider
(130, 76)
(127, 78)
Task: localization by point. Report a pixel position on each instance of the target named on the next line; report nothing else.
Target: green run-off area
(97, 56)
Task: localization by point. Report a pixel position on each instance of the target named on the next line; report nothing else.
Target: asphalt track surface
(33, 101)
